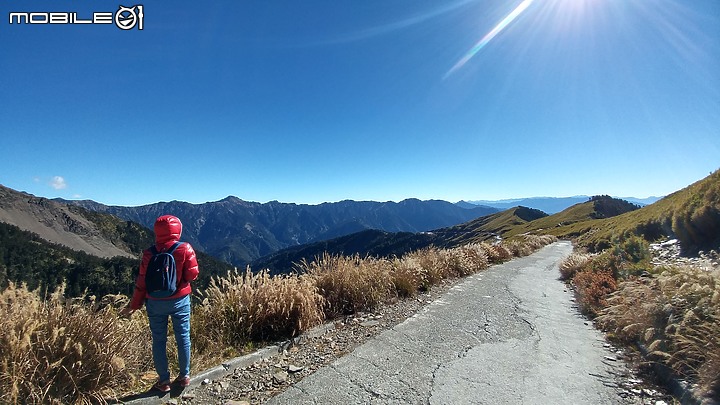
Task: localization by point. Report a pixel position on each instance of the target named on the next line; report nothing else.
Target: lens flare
(489, 36)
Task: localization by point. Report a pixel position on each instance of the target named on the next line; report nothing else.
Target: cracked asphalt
(509, 335)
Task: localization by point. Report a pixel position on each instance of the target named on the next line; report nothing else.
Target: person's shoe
(183, 381)
(162, 386)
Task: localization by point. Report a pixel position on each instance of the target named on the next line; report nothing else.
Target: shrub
(634, 313)
(67, 351)
(631, 256)
(475, 255)
(592, 287)
(431, 265)
(535, 242)
(518, 248)
(407, 276)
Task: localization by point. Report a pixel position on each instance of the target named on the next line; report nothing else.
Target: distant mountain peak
(231, 199)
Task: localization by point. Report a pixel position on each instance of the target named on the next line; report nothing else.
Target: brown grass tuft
(573, 264)
(677, 316)
(350, 284)
(407, 276)
(248, 307)
(65, 350)
(498, 254)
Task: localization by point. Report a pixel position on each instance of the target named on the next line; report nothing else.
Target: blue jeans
(158, 312)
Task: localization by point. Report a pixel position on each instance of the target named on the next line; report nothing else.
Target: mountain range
(94, 247)
(239, 232)
(492, 228)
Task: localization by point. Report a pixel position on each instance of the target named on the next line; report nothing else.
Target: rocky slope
(61, 224)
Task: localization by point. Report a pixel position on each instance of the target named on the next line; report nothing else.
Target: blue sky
(312, 101)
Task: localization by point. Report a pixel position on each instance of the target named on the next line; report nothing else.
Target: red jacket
(167, 231)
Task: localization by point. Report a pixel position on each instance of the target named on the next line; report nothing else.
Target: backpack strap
(174, 246)
(154, 251)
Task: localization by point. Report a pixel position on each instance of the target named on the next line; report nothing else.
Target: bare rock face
(56, 223)
(669, 253)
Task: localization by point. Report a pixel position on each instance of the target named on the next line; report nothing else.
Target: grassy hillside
(488, 227)
(692, 215)
(127, 235)
(563, 224)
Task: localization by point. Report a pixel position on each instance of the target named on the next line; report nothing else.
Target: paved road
(509, 335)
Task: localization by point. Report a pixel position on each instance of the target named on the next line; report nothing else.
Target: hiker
(167, 300)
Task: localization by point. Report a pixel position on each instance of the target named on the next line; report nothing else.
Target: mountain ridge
(491, 228)
(240, 231)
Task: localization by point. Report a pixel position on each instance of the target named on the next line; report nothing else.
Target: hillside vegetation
(563, 223)
(97, 234)
(26, 258)
(672, 314)
(691, 215)
(366, 243)
(490, 226)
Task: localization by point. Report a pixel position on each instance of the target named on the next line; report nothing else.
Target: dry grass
(407, 276)
(350, 284)
(53, 351)
(241, 308)
(573, 264)
(676, 315)
(69, 352)
(498, 253)
(420, 270)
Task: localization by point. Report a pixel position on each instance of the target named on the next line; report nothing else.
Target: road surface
(508, 335)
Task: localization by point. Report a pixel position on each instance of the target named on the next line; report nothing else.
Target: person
(167, 232)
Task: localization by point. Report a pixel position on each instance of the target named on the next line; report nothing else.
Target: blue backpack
(161, 273)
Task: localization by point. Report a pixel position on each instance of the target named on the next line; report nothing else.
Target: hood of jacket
(168, 229)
